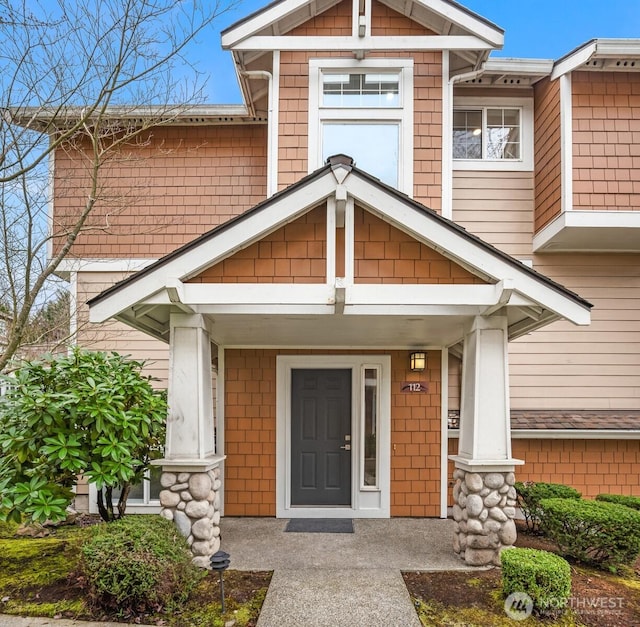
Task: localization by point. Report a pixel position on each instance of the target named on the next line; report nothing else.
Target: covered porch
(299, 318)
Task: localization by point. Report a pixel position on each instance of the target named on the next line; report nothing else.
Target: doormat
(320, 525)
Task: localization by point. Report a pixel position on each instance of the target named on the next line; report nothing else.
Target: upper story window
(363, 109)
(492, 136)
(361, 90)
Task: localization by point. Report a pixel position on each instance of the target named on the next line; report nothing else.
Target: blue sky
(533, 28)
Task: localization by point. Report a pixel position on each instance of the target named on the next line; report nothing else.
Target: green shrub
(629, 501)
(605, 534)
(138, 564)
(530, 494)
(545, 577)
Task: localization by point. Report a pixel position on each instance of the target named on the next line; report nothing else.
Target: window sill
(492, 166)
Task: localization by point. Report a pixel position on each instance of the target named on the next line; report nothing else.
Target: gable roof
(145, 299)
(468, 36)
(622, 55)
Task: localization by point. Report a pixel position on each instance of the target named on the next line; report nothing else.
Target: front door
(321, 437)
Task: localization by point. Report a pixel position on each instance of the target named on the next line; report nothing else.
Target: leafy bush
(138, 564)
(530, 494)
(629, 501)
(87, 413)
(545, 577)
(605, 534)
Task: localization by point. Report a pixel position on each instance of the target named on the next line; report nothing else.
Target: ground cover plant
(42, 577)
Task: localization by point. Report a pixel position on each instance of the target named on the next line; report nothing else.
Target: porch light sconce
(418, 361)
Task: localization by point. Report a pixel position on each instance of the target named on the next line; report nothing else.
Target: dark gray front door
(320, 437)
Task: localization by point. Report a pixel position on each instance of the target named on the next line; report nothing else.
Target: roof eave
(596, 49)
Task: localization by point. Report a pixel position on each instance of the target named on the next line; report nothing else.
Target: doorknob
(346, 447)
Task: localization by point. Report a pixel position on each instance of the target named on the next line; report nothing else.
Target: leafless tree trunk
(95, 75)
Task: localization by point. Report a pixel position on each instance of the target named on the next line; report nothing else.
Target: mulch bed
(598, 599)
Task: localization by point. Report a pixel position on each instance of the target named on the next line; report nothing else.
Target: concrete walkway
(327, 580)
(344, 579)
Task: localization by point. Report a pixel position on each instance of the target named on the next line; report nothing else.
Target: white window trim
(366, 503)
(403, 114)
(134, 506)
(525, 163)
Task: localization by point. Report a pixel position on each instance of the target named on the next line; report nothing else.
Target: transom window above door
(363, 109)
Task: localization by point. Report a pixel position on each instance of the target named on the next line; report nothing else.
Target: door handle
(346, 447)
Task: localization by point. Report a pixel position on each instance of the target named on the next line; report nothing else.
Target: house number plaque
(412, 387)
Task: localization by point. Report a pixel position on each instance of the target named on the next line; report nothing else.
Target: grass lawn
(41, 577)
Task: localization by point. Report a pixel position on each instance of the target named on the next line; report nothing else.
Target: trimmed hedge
(544, 576)
(530, 494)
(138, 564)
(628, 501)
(596, 532)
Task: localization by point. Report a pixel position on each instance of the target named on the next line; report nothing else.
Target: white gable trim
(516, 285)
(378, 42)
(449, 11)
(463, 250)
(236, 237)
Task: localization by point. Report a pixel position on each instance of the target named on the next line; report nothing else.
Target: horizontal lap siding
(547, 151)
(597, 367)
(496, 206)
(173, 185)
(115, 336)
(606, 141)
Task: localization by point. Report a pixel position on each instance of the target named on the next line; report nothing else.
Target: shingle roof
(601, 419)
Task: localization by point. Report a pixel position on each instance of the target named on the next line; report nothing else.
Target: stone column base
(192, 501)
(483, 511)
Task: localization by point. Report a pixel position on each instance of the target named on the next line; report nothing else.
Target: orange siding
(385, 254)
(591, 466)
(547, 151)
(606, 141)
(294, 98)
(415, 439)
(250, 434)
(296, 253)
(171, 186)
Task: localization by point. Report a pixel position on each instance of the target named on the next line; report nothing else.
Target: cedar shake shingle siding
(250, 433)
(547, 151)
(294, 98)
(384, 254)
(173, 185)
(295, 253)
(606, 141)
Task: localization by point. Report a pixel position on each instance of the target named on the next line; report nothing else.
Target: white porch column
(191, 469)
(484, 496)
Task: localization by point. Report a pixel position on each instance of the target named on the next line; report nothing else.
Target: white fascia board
(350, 43)
(598, 49)
(104, 265)
(591, 219)
(521, 67)
(260, 21)
(453, 13)
(211, 250)
(565, 434)
(406, 295)
(256, 294)
(465, 251)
